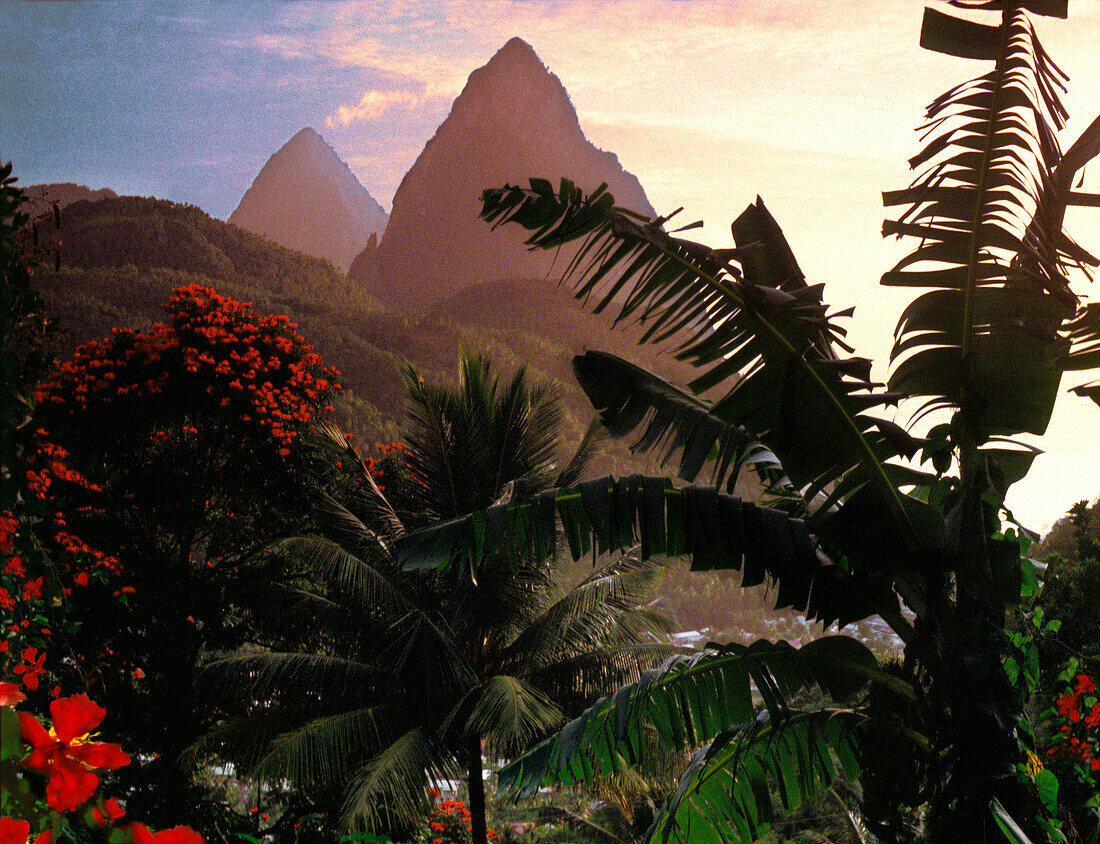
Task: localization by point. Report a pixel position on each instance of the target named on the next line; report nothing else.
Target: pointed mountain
(513, 120)
(307, 199)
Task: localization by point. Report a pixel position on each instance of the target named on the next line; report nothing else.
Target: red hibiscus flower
(176, 835)
(13, 831)
(10, 695)
(109, 814)
(17, 832)
(64, 753)
(33, 666)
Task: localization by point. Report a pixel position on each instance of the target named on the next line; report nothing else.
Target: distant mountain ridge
(513, 120)
(64, 194)
(149, 234)
(122, 257)
(306, 198)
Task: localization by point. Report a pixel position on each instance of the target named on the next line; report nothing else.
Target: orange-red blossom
(14, 831)
(11, 694)
(175, 835)
(64, 753)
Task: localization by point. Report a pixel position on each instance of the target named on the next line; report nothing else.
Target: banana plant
(862, 515)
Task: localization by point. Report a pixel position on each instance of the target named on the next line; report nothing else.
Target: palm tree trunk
(478, 833)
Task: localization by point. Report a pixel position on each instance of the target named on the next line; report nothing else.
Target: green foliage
(1067, 620)
(1064, 537)
(24, 327)
(691, 700)
(606, 515)
(415, 669)
(986, 345)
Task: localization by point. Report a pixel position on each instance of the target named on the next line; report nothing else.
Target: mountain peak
(517, 50)
(306, 198)
(513, 120)
(308, 137)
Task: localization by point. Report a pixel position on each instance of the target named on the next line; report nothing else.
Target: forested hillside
(121, 258)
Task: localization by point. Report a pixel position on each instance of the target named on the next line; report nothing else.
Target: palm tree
(864, 516)
(420, 671)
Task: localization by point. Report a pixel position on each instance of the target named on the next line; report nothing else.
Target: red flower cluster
(390, 468)
(9, 527)
(49, 463)
(40, 562)
(1077, 737)
(449, 823)
(213, 354)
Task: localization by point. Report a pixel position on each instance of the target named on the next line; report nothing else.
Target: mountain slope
(306, 198)
(122, 257)
(513, 120)
(155, 233)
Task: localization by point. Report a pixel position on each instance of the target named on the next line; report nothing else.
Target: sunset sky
(811, 105)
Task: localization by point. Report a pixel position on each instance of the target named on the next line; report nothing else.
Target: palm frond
(525, 422)
(391, 788)
(576, 680)
(443, 452)
(466, 444)
(586, 449)
(423, 649)
(341, 525)
(725, 794)
(508, 713)
(302, 743)
(717, 530)
(596, 612)
(367, 494)
(761, 327)
(299, 609)
(325, 750)
(988, 209)
(508, 594)
(689, 701)
(362, 585)
(243, 740)
(252, 677)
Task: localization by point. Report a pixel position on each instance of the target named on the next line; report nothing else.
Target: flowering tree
(191, 434)
(41, 563)
(41, 560)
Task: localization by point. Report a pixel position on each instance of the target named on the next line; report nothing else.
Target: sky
(810, 105)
